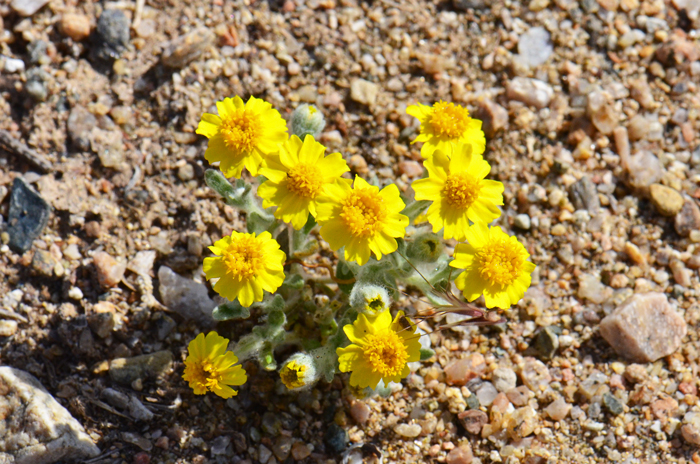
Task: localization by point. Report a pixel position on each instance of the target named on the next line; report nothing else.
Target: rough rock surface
(644, 328)
(185, 296)
(35, 428)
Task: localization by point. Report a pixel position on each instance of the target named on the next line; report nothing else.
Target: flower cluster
(303, 186)
(464, 202)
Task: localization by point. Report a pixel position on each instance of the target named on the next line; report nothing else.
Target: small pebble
(360, 412)
(535, 374)
(532, 92)
(534, 46)
(613, 404)
(522, 221)
(461, 371)
(460, 455)
(75, 26)
(109, 270)
(558, 409)
(644, 328)
(336, 438)
(364, 92)
(473, 420)
(486, 394)
(13, 65)
(667, 201)
(408, 430)
(504, 379)
(75, 293)
(688, 218)
(27, 7)
(493, 116)
(7, 327)
(301, 451)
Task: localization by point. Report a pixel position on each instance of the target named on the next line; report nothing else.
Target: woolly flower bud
(299, 371)
(425, 248)
(370, 299)
(307, 119)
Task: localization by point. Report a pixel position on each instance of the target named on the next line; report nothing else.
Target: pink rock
(360, 412)
(558, 409)
(473, 420)
(109, 270)
(644, 328)
(460, 455)
(463, 370)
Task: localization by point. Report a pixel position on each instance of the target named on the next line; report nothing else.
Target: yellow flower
(494, 264)
(209, 367)
(363, 219)
(297, 175)
(459, 191)
(379, 350)
(245, 266)
(298, 371)
(242, 134)
(444, 126)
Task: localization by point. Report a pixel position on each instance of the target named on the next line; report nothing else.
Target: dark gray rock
(547, 342)
(29, 214)
(612, 404)
(584, 195)
(164, 325)
(336, 438)
(112, 34)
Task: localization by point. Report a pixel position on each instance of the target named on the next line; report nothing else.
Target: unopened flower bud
(307, 119)
(426, 248)
(299, 372)
(370, 299)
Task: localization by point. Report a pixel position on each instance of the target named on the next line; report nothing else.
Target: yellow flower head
(362, 218)
(494, 264)
(445, 126)
(298, 372)
(242, 134)
(209, 367)
(459, 192)
(245, 266)
(379, 350)
(297, 176)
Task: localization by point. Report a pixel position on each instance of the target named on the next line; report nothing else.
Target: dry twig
(18, 148)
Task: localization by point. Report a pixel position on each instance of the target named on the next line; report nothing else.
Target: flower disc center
(364, 213)
(386, 353)
(243, 258)
(449, 120)
(305, 180)
(461, 190)
(240, 130)
(500, 261)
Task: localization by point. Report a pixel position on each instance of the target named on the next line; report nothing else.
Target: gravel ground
(590, 110)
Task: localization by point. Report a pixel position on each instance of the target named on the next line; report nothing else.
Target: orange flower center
(241, 131)
(364, 212)
(449, 120)
(500, 261)
(203, 374)
(305, 180)
(386, 353)
(243, 258)
(461, 190)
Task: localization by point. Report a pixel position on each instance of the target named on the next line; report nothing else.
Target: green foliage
(230, 310)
